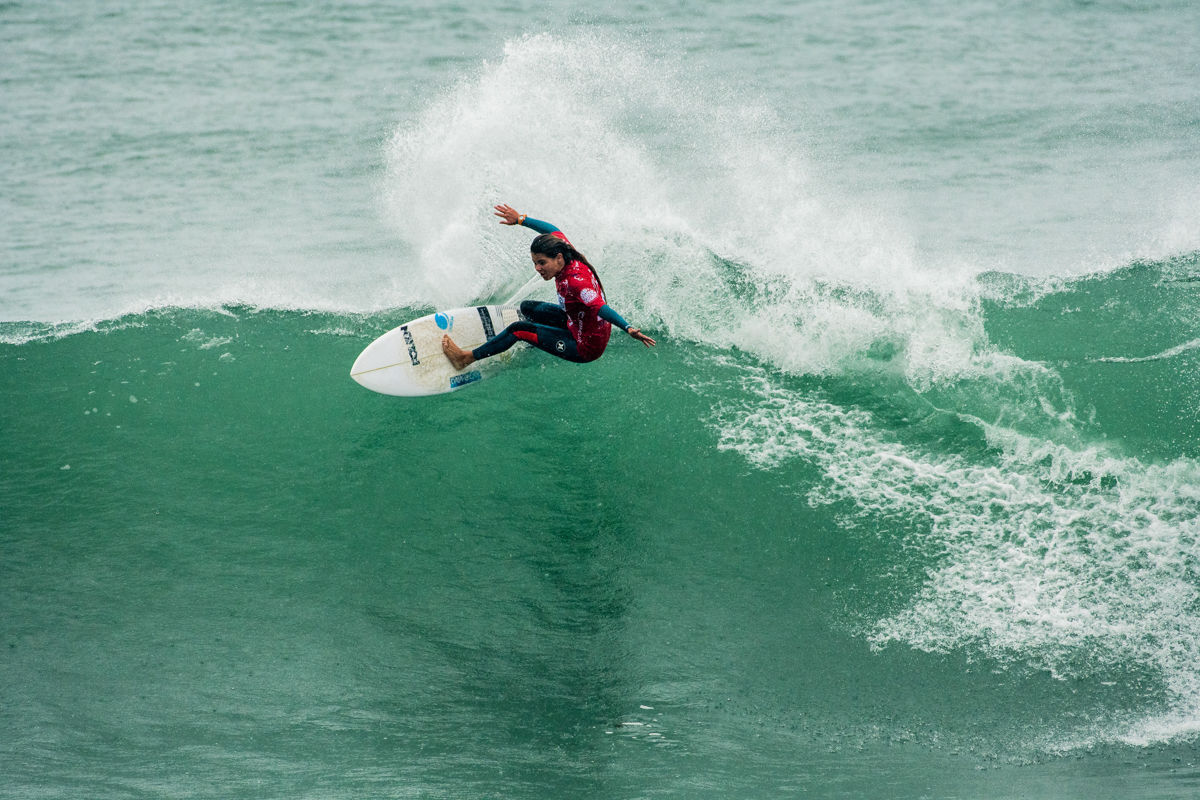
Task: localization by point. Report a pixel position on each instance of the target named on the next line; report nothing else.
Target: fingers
(636, 333)
(508, 213)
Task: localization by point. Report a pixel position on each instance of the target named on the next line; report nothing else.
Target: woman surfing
(577, 329)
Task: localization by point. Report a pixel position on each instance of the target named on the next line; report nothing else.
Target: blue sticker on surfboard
(464, 379)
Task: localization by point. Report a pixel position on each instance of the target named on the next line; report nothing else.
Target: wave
(1045, 530)
(1055, 533)
(1072, 561)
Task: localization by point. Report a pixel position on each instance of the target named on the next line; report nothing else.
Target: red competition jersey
(580, 295)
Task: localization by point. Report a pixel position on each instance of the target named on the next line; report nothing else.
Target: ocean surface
(906, 502)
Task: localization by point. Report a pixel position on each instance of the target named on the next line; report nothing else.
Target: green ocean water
(904, 504)
(230, 571)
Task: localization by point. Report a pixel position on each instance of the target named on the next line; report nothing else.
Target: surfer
(577, 329)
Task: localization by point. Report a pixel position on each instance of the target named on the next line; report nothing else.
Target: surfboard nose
(358, 367)
(370, 374)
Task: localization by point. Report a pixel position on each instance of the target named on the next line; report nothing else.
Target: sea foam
(700, 209)
(1066, 559)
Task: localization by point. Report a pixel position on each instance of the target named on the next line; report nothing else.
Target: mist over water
(909, 488)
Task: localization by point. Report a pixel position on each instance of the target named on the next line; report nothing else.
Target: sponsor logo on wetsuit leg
(463, 380)
(412, 347)
(560, 346)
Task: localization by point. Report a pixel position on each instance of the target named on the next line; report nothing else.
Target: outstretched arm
(608, 314)
(509, 216)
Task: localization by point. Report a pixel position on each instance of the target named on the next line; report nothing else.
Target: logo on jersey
(588, 295)
(444, 321)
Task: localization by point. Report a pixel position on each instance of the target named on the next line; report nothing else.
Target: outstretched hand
(508, 215)
(636, 333)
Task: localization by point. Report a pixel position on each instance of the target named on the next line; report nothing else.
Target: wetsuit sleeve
(608, 315)
(539, 226)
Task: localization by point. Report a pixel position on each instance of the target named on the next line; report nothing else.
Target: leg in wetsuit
(544, 327)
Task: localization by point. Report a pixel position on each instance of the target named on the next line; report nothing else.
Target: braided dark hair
(547, 244)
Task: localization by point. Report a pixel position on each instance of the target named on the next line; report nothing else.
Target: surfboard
(408, 361)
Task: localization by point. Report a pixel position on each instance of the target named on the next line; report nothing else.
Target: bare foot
(458, 357)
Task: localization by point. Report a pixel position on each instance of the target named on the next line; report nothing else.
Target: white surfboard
(408, 361)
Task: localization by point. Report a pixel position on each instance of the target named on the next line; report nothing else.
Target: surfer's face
(548, 267)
